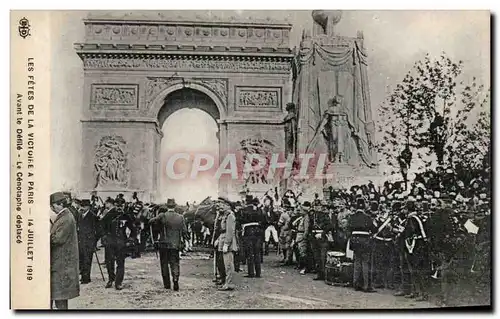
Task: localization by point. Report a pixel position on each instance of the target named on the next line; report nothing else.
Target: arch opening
(188, 122)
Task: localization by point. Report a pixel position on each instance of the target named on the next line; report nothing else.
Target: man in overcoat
(64, 283)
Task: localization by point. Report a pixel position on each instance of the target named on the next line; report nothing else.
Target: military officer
(252, 221)
(114, 224)
(173, 232)
(361, 229)
(227, 243)
(321, 226)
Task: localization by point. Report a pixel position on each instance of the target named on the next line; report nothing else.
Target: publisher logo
(24, 28)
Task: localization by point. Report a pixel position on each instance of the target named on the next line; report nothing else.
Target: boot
(176, 286)
(166, 283)
(118, 287)
(109, 284)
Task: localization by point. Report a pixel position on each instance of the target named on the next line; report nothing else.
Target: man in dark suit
(173, 232)
(87, 239)
(252, 223)
(114, 224)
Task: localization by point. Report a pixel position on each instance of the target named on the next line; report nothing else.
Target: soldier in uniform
(271, 224)
(87, 239)
(416, 244)
(252, 222)
(220, 270)
(383, 244)
(114, 224)
(301, 224)
(173, 232)
(227, 242)
(283, 226)
(321, 227)
(403, 272)
(361, 229)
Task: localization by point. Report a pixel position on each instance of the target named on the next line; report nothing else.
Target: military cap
(306, 204)
(56, 198)
(85, 202)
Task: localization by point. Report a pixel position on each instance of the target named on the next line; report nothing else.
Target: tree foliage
(432, 112)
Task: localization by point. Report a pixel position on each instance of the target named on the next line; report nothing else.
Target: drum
(338, 269)
(334, 257)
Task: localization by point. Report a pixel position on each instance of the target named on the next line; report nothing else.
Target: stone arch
(159, 100)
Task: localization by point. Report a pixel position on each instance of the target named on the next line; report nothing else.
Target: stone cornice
(242, 120)
(254, 23)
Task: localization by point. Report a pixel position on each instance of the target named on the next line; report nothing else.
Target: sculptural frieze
(259, 98)
(146, 63)
(258, 147)
(110, 162)
(125, 95)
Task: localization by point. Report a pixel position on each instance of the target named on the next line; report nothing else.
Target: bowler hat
(56, 198)
(171, 203)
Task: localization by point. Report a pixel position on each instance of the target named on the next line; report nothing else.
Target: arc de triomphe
(136, 73)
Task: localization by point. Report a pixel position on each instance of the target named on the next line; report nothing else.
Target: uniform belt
(317, 231)
(250, 224)
(359, 232)
(383, 238)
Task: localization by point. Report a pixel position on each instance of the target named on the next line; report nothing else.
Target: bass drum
(338, 269)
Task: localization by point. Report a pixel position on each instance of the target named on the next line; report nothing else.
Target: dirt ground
(279, 288)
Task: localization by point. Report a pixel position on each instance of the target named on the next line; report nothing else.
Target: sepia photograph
(253, 160)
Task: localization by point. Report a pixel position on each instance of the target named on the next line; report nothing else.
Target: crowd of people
(367, 237)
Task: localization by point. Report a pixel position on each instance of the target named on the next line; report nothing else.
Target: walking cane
(152, 240)
(99, 264)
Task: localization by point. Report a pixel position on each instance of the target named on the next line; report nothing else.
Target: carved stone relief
(157, 84)
(110, 162)
(261, 147)
(106, 95)
(258, 98)
(91, 63)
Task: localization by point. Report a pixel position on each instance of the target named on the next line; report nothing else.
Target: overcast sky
(394, 41)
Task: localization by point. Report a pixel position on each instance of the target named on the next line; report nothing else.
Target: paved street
(280, 288)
